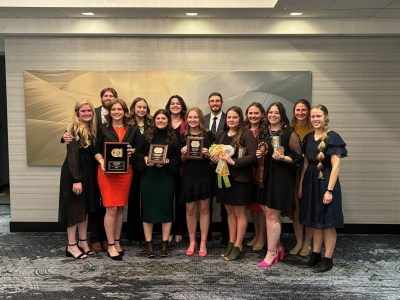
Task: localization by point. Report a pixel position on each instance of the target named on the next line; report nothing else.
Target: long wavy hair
(324, 136)
(181, 101)
(126, 117)
(284, 119)
(147, 117)
(83, 132)
(247, 123)
(151, 132)
(202, 124)
(306, 104)
(238, 136)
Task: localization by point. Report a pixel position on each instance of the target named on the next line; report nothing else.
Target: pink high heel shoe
(265, 264)
(281, 252)
(190, 252)
(203, 253)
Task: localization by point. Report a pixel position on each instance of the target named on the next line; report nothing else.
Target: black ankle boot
(324, 265)
(164, 249)
(149, 249)
(315, 258)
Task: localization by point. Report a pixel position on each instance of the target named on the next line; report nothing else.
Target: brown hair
(306, 104)
(126, 117)
(109, 89)
(238, 136)
(147, 117)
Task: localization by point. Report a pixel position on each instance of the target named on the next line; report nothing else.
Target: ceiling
(221, 9)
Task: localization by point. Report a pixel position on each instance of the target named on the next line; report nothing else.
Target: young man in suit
(215, 121)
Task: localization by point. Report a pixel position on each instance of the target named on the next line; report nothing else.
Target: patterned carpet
(34, 266)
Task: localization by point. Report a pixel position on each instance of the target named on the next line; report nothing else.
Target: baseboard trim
(216, 226)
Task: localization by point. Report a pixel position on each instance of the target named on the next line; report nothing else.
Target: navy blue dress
(313, 212)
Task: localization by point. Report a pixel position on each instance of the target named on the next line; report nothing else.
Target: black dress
(197, 175)
(78, 167)
(313, 212)
(280, 177)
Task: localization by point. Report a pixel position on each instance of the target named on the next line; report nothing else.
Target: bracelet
(330, 191)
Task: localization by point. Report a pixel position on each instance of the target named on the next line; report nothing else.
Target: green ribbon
(227, 183)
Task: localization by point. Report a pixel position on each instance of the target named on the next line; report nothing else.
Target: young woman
(238, 195)
(321, 203)
(281, 164)
(141, 119)
(114, 188)
(176, 107)
(301, 125)
(157, 185)
(78, 180)
(196, 181)
(254, 120)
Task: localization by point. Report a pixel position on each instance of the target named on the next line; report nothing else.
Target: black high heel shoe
(69, 254)
(122, 253)
(90, 252)
(116, 257)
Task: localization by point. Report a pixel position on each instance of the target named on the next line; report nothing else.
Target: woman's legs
(262, 234)
(110, 221)
(204, 222)
(241, 225)
(191, 223)
(148, 231)
(71, 234)
(82, 230)
(308, 234)
(298, 232)
(166, 230)
(330, 237)
(254, 217)
(231, 223)
(273, 232)
(118, 227)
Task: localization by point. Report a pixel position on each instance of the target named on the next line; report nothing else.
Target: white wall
(358, 78)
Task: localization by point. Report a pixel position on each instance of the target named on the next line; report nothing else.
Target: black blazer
(242, 171)
(221, 125)
(107, 133)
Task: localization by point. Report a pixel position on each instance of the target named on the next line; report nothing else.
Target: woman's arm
(303, 170)
(328, 196)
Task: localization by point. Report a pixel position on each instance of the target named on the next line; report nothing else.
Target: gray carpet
(34, 266)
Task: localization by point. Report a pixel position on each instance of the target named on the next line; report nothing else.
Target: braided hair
(324, 136)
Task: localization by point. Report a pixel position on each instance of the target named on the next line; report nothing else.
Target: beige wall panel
(358, 78)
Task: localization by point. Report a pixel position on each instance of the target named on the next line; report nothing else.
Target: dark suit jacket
(242, 171)
(221, 125)
(97, 111)
(107, 134)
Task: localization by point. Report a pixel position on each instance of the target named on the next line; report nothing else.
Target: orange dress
(114, 188)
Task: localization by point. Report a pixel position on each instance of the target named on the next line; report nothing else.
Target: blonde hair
(324, 136)
(82, 132)
(202, 124)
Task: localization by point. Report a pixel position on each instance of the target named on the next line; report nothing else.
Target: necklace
(272, 133)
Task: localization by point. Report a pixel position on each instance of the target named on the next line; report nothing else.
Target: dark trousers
(179, 226)
(224, 215)
(96, 220)
(134, 230)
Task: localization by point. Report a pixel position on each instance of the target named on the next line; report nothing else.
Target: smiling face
(140, 109)
(161, 121)
(318, 118)
(117, 112)
(193, 119)
(254, 115)
(107, 98)
(85, 113)
(232, 119)
(301, 112)
(274, 116)
(175, 106)
(215, 104)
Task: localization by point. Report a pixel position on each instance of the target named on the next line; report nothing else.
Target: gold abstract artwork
(50, 96)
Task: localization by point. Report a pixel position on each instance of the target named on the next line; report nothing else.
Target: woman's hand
(277, 155)
(327, 198)
(214, 157)
(67, 137)
(228, 159)
(184, 151)
(259, 154)
(149, 164)
(77, 188)
(300, 191)
(205, 152)
(101, 162)
(130, 151)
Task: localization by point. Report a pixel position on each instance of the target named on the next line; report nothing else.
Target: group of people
(258, 161)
